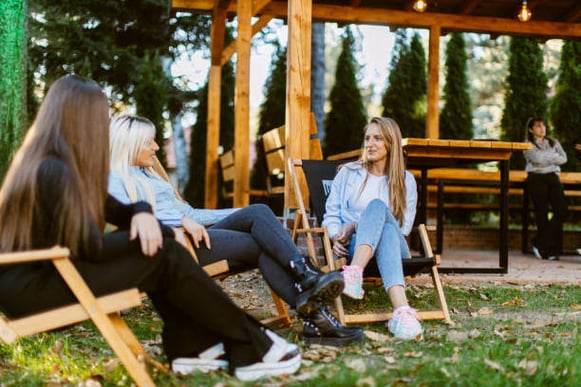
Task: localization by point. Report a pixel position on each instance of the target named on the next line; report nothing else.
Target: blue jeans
(379, 229)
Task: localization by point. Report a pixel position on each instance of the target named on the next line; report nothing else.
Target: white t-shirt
(375, 188)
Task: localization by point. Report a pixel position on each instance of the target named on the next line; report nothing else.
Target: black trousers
(547, 192)
(196, 312)
(252, 238)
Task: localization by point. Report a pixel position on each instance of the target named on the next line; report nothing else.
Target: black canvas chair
(319, 175)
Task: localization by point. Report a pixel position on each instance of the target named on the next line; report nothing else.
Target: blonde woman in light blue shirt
(249, 237)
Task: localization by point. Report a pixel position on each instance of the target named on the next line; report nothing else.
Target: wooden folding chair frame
(302, 227)
(220, 268)
(102, 311)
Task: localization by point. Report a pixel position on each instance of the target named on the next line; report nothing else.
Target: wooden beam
(574, 14)
(256, 27)
(469, 6)
(213, 120)
(242, 106)
(433, 118)
(447, 22)
(298, 96)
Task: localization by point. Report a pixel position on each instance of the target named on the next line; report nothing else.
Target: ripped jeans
(380, 230)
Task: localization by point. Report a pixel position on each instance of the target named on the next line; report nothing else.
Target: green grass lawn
(504, 335)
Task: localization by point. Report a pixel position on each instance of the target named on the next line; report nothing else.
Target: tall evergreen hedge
(565, 107)
(347, 118)
(526, 92)
(456, 115)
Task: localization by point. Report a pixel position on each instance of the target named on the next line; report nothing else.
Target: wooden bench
(228, 172)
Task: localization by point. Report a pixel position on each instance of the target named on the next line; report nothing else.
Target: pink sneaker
(353, 276)
(405, 324)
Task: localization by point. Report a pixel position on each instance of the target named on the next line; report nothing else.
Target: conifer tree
(526, 92)
(347, 118)
(12, 79)
(456, 116)
(565, 107)
(405, 97)
(272, 111)
(151, 96)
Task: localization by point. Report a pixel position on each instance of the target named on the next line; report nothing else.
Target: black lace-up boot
(322, 327)
(312, 285)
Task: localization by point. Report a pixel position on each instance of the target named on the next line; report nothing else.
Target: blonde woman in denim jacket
(369, 211)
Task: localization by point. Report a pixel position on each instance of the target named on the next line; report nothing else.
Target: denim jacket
(347, 185)
(168, 207)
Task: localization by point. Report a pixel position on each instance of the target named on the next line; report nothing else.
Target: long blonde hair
(129, 135)
(71, 126)
(395, 165)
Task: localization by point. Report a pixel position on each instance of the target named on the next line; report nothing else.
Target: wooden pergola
(551, 19)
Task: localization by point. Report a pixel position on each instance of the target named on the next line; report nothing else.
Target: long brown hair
(72, 125)
(395, 165)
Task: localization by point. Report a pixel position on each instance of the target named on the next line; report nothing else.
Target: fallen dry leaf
(492, 364)
(376, 336)
(529, 366)
(366, 382)
(357, 365)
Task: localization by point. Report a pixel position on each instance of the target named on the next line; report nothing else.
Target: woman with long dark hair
(55, 193)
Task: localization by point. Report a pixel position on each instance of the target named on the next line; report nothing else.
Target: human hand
(342, 239)
(180, 236)
(145, 226)
(197, 232)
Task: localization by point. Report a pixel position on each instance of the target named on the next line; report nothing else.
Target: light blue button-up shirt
(168, 207)
(346, 187)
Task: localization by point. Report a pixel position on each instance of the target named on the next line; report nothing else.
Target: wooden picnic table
(424, 154)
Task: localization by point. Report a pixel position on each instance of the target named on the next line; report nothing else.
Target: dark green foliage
(456, 116)
(565, 107)
(12, 79)
(347, 118)
(194, 190)
(151, 96)
(526, 92)
(405, 97)
(272, 111)
(112, 41)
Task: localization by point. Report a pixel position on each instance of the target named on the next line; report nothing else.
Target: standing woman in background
(544, 187)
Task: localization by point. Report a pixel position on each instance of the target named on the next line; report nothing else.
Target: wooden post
(214, 94)
(242, 109)
(433, 119)
(298, 100)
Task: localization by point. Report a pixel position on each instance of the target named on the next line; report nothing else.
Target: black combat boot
(312, 285)
(322, 327)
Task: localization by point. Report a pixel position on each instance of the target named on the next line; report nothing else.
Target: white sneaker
(282, 358)
(537, 252)
(353, 276)
(405, 324)
(205, 362)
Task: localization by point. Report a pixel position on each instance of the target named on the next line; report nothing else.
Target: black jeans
(253, 237)
(546, 190)
(196, 312)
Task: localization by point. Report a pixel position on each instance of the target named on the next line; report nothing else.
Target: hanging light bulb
(420, 5)
(525, 13)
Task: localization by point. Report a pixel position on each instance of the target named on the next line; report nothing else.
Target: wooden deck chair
(319, 175)
(102, 311)
(220, 269)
